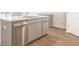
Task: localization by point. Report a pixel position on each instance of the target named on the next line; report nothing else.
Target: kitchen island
(20, 31)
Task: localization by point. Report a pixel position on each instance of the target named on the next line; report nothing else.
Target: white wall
(73, 23)
(59, 19)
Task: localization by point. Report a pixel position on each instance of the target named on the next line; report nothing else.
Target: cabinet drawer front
(45, 19)
(35, 20)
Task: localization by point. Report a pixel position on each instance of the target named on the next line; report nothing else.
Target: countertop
(22, 18)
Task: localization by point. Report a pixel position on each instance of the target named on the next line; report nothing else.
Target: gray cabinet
(35, 31)
(39, 29)
(20, 33)
(32, 32)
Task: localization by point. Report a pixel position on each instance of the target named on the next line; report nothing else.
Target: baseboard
(57, 27)
(73, 34)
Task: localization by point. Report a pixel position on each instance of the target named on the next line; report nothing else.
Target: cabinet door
(38, 29)
(73, 23)
(45, 27)
(32, 32)
(35, 31)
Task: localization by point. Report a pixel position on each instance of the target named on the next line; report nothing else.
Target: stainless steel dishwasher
(20, 33)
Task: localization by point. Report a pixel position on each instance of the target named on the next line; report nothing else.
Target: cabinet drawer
(45, 19)
(35, 20)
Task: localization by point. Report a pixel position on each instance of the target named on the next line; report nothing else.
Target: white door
(74, 23)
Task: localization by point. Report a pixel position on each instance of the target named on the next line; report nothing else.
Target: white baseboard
(59, 27)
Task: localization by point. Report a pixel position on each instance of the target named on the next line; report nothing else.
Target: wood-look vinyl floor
(56, 37)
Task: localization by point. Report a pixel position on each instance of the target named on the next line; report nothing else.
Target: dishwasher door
(20, 34)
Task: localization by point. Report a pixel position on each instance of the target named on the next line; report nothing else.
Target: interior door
(74, 23)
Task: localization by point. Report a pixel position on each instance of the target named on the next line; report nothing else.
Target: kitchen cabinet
(23, 31)
(50, 18)
(35, 31)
